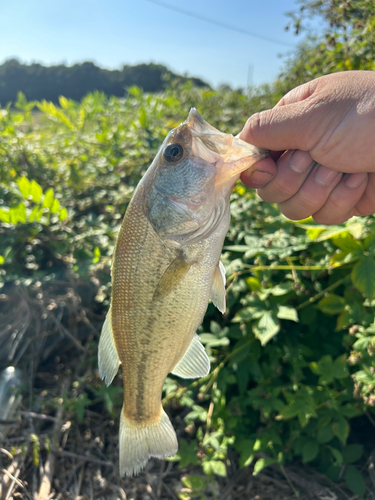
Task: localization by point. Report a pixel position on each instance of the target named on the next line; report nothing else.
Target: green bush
(292, 358)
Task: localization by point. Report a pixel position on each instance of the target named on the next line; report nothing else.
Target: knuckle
(312, 201)
(275, 192)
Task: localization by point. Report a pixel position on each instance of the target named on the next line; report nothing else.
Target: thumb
(289, 125)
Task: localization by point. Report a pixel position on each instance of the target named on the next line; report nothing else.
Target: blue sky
(116, 32)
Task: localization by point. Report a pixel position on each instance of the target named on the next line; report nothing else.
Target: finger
(287, 125)
(292, 169)
(313, 194)
(366, 205)
(279, 128)
(341, 203)
(259, 174)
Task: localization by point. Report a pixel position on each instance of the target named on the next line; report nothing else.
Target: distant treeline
(39, 82)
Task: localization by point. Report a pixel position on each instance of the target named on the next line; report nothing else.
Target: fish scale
(165, 270)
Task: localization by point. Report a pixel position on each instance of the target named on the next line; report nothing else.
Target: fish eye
(173, 152)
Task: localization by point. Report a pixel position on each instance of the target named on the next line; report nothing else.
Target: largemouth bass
(166, 267)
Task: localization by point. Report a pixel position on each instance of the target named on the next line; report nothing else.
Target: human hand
(316, 132)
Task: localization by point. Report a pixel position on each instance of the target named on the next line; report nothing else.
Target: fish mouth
(236, 155)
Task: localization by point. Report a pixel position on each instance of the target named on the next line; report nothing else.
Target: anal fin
(194, 363)
(108, 358)
(218, 288)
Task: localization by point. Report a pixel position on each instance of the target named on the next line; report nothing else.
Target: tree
(346, 40)
(38, 82)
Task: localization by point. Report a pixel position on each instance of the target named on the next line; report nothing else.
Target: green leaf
(97, 255)
(246, 448)
(300, 404)
(262, 463)
(330, 370)
(313, 233)
(4, 215)
(340, 367)
(363, 276)
(267, 327)
(1, 259)
(194, 482)
(281, 289)
(22, 103)
(215, 328)
(34, 213)
(336, 454)
(63, 101)
(186, 453)
(198, 412)
(286, 312)
(332, 304)
(355, 481)
(53, 112)
(348, 244)
(253, 283)
(212, 341)
(310, 451)
(218, 468)
(325, 434)
(24, 186)
(63, 214)
(48, 198)
(18, 214)
(135, 91)
(352, 453)
(36, 191)
(143, 120)
(361, 344)
(55, 208)
(333, 472)
(341, 429)
(331, 232)
(237, 248)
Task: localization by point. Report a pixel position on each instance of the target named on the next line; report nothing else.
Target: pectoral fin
(172, 277)
(108, 358)
(218, 288)
(194, 363)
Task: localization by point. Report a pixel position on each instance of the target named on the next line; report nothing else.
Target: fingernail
(260, 178)
(300, 161)
(354, 180)
(325, 176)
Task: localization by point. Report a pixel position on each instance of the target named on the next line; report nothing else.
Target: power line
(218, 23)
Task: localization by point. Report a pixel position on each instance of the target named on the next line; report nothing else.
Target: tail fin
(139, 443)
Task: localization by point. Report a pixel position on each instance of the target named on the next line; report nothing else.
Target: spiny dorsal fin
(172, 277)
(194, 363)
(218, 288)
(108, 358)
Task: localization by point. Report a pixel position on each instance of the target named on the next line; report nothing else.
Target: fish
(166, 268)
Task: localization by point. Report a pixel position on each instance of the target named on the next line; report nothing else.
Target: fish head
(187, 187)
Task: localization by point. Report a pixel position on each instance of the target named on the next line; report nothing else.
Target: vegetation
(293, 376)
(345, 42)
